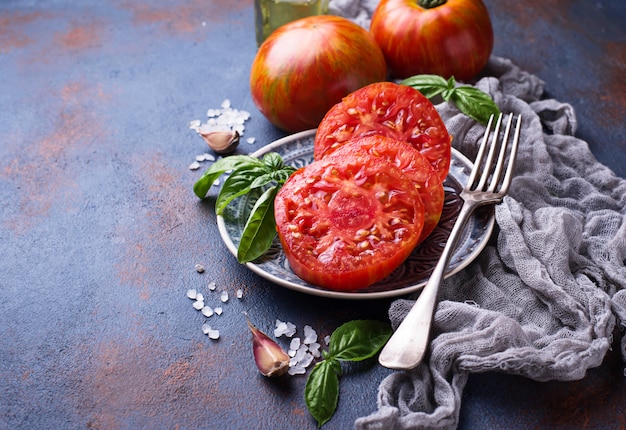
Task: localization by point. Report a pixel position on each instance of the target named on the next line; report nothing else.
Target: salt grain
(194, 166)
(199, 268)
(295, 343)
(327, 339)
(226, 118)
(284, 329)
(205, 328)
(306, 360)
(192, 294)
(207, 311)
(211, 332)
(296, 370)
(251, 140)
(239, 293)
(200, 297)
(197, 305)
(314, 349)
(224, 296)
(310, 335)
(218, 311)
(211, 286)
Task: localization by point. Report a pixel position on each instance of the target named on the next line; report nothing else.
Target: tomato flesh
(391, 110)
(346, 223)
(412, 163)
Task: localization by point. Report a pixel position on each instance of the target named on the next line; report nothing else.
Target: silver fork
(407, 346)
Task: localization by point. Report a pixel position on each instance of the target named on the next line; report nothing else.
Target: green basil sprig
(353, 341)
(248, 174)
(469, 100)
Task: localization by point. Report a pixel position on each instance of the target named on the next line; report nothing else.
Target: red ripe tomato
(440, 37)
(413, 164)
(347, 222)
(306, 66)
(391, 110)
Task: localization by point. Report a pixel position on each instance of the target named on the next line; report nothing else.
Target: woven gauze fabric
(542, 298)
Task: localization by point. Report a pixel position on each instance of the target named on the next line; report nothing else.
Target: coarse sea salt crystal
(310, 335)
(314, 349)
(218, 311)
(200, 297)
(192, 294)
(296, 370)
(205, 328)
(239, 293)
(211, 332)
(224, 296)
(207, 311)
(295, 343)
(211, 286)
(194, 166)
(327, 339)
(284, 329)
(306, 360)
(198, 304)
(251, 140)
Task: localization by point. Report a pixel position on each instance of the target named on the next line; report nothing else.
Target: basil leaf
(358, 340)
(260, 229)
(475, 103)
(470, 100)
(273, 160)
(262, 180)
(282, 175)
(202, 185)
(429, 85)
(238, 183)
(321, 393)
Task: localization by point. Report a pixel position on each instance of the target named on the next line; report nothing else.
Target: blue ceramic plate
(297, 150)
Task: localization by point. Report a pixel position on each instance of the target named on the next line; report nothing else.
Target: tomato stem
(430, 4)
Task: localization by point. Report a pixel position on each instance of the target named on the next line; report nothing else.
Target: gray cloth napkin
(543, 298)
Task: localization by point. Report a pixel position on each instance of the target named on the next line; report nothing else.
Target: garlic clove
(222, 142)
(269, 357)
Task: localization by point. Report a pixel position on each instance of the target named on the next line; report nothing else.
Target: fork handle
(406, 347)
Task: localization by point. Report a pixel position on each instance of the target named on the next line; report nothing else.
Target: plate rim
(221, 225)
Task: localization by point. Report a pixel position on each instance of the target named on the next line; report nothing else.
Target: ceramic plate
(297, 150)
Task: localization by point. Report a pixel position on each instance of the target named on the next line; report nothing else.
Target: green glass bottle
(271, 14)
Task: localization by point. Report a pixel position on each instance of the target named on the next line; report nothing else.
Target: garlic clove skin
(222, 142)
(270, 358)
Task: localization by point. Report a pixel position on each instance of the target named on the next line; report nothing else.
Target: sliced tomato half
(392, 110)
(347, 222)
(412, 163)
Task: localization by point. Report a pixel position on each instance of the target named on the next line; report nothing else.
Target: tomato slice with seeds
(346, 223)
(392, 110)
(412, 163)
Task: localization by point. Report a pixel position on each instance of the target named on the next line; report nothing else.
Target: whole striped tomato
(306, 66)
(439, 37)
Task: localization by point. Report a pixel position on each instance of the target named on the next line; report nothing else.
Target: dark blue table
(100, 231)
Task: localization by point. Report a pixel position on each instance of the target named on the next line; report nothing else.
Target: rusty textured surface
(100, 232)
